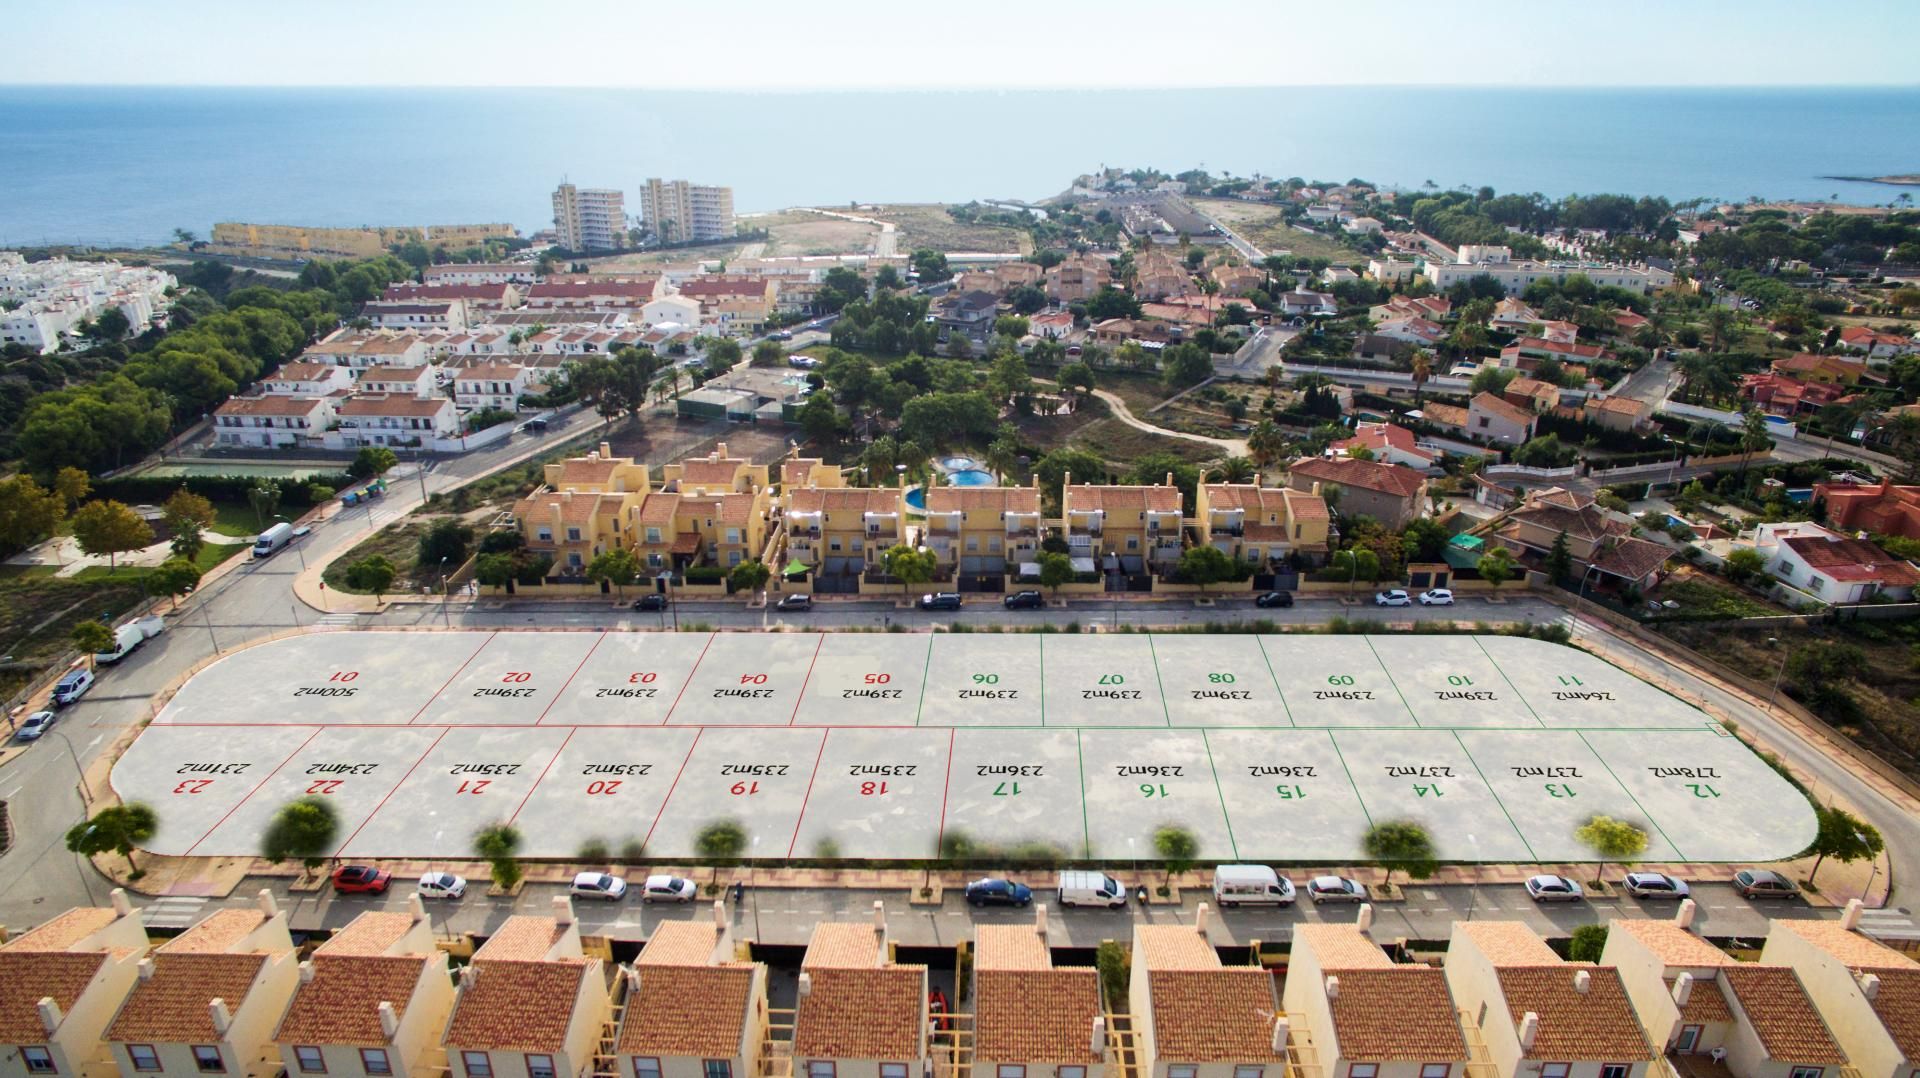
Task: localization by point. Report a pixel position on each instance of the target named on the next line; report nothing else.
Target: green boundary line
(1260, 644)
(1636, 801)
(1153, 656)
(924, 671)
(1495, 794)
(1042, 637)
(1086, 830)
(1515, 689)
(1382, 664)
(1222, 794)
(1357, 795)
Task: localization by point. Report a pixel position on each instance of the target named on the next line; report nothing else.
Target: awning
(796, 567)
(686, 543)
(1084, 565)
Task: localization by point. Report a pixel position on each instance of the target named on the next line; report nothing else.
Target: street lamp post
(296, 546)
(1774, 642)
(1873, 869)
(445, 610)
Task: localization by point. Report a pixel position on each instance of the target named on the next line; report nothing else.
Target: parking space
(870, 745)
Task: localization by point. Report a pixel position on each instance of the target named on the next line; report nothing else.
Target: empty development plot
(881, 746)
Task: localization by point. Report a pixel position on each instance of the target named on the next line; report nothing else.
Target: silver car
(1655, 885)
(1554, 889)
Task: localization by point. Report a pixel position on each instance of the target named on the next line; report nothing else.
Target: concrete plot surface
(1016, 789)
(1427, 777)
(469, 779)
(353, 769)
(877, 794)
(511, 681)
(1101, 681)
(865, 679)
(1287, 793)
(1710, 794)
(193, 777)
(1449, 683)
(324, 678)
(1334, 681)
(1140, 781)
(1552, 784)
(606, 786)
(982, 679)
(1571, 689)
(758, 779)
(628, 679)
(748, 679)
(1218, 681)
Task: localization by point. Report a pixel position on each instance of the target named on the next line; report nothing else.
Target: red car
(361, 879)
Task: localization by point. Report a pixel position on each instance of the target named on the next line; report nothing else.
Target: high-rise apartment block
(590, 218)
(677, 211)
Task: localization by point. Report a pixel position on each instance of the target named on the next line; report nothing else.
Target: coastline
(1904, 179)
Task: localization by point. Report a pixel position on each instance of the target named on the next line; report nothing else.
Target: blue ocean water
(129, 164)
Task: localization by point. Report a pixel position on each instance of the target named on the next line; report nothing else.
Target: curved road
(1232, 447)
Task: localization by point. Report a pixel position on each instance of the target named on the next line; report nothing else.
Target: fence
(1522, 471)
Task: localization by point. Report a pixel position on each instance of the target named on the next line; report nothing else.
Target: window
(820, 1068)
(144, 1057)
(1436, 1070)
(309, 1059)
(653, 535)
(40, 1061)
(893, 1070)
(1070, 1072)
(1181, 1070)
(1011, 1070)
(477, 1064)
(207, 1058)
(1619, 1070)
(573, 535)
(1363, 1070)
(1245, 1071)
(718, 1068)
(539, 1066)
(374, 1061)
(545, 535)
(1798, 1072)
(1554, 1070)
(646, 1067)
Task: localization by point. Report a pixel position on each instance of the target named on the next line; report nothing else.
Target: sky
(981, 44)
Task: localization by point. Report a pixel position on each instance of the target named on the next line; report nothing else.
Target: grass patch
(399, 544)
(1701, 596)
(37, 616)
(930, 225)
(238, 519)
(212, 554)
(1120, 445)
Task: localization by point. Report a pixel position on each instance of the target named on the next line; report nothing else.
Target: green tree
(722, 352)
(498, 844)
(1079, 378)
(495, 570)
(373, 573)
(1356, 562)
(1496, 566)
(1010, 381)
(1401, 845)
(769, 354)
(1115, 972)
(1613, 840)
(821, 420)
(1185, 364)
(93, 637)
(1744, 564)
(1237, 470)
(111, 325)
(1055, 570)
(73, 485)
(117, 827)
(1424, 539)
(1491, 379)
(1589, 942)
(910, 565)
(1753, 436)
(1205, 565)
(111, 528)
(175, 577)
(749, 576)
(1844, 837)
(722, 842)
(1267, 443)
(28, 513)
(187, 517)
(1176, 846)
(264, 497)
(447, 540)
(372, 460)
(619, 567)
(1559, 563)
(305, 829)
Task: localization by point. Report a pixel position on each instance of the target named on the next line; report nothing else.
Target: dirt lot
(799, 233)
(929, 225)
(1263, 226)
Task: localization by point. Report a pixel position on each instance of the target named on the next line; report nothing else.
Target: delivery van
(1250, 885)
(272, 539)
(1091, 889)
(130, 636)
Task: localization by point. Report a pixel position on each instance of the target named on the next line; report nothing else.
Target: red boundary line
(802, 698)
(561, 691)
(697, 731)
(543, 774)
(390, 793)
(683, 685)
(455, 674)
(941, 835)
(256, 789)
(802, 818)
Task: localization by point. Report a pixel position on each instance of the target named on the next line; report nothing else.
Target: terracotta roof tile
(1706, 1003)
(1402, 1012)
(1855, 950)
(1176, 947)
(842, 946)
(63, 931)
(710, 472)
(844, 499)
(521, 939)
(171, 1006)
(371, 933)
(1498, 406)
(28, 976)
(1004, 499)
(659, 509)
(1847, 558)
(1156, 499)
(1507, 943)
(590, 470)
(1213, 1015)
(217, 933)
(796, 470)
(1783, 1017)
(1035, 1015)
(271, 404)
(514, 1005)
(1671, 944)
(341, 1005)
(1394, 479)
(873, 1013)
(1598, 1024)
(1898, 1005)
(1341, 947)
(1447, 415)
(680, 943)
(394, 404)
(1010, 947)
(694, 1010)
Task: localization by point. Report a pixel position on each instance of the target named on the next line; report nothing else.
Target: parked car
(668, 889)
(653, 601)
(1553, 889)
(1080, 888)
(794, 602)
(805, 363)
(994, 892)
(361, 880)
(1024, 600)
(1274, 598)
(36, 724)
(940, 600)
(441, 885)
(598, 885)
(1396, 597)
(1335, 889)
(1436, 597)
(72, 687)
(534, 426)
(1258, 885)
(1760, 883)
(1654, 885)
(781, 335)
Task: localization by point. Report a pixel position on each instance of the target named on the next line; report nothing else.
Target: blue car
(998, 893)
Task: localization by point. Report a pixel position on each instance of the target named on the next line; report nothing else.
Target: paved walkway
(1232, 447)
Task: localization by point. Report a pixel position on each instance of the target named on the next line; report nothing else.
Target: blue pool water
(972, 477)
(917, 499)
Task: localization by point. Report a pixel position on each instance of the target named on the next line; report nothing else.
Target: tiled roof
(1587, 523)
(171, 1006)
(1402, 1012)
(659, 508)
(1631, 558)
(1898, 1005)
(1846, 558)
(381, 373)
(1498, 406)
(845, 499)
(1010, 947)
(1341, 947)
(371, 933)
(522, 939)
(1705, 1003)
(1852, 949)
(1305, 506)
(709, 472)
(393, 404)
(1507, 943)
(796, 470)
(1157, 499)
(1598, 1024)
(688, 1010)
(727, 508)
(1395, 479)
(297, 371)
(341, 1005)
(1622, 405)
(28, 976)
(1671, 944)
(1159, 947)
(1448, 415)
(590, 470)
(1005, 499)
(63, 931)
(1035, 1015)
(577, 509)
(272, 404)
(872, 1013)
(1213, 1015)
(217, 933)
(842, 946)
(516, 1005)
(1786, 1021)
(680, 943)
(496, 372)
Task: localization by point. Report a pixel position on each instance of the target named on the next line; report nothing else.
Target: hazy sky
(985, 44)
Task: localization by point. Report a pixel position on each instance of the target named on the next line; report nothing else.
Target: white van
(130, 636)
(1091, 889)
(1250, 885)
(272, 539)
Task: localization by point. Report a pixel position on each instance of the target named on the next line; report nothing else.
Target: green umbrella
(796, 568)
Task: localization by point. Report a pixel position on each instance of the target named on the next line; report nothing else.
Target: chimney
(1682, 989)
(1316, 489)
(1870, 985)
(1683, 917)
(1099, 1043)
(563, 909)
(221, 1016)
(719, 915)
(266, 903)
(1332, 985)
(1169, 478)
(606, 451)
(121, 906)
(1040, 921)
(49, 1015)
(389, 1020)
(806, 984)
(1364, 921)
(1850, 918)
(1200, 920)
(1281, 1028)
(146, 969)
(1529, 1029)
(307, 972)
(1582, 981)
(416, 909)
(466, 976)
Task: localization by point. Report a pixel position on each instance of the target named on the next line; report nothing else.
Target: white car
(1335, 889)
(1396, 597)
(599, 885)
(1436, 597)
(668, 889)
(441, 885)
(1553, 889)
(34, 725)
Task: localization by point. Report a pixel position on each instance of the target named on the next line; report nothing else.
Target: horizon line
(1017, 88)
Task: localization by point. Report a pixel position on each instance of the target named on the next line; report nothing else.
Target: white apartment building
(273, 421)
(590, 218)
(676, 211)
(1515, 274)
(48, 299)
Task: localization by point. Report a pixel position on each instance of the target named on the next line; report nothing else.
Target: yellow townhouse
(1368, 1016)
(1032, 1019)
(62, 982)
(1128, 529)
(982, 535)
(531, 1004)
(1263, 525)
(372, 1001)
(1541, 1016)
(1196, 1018)
(692, 1011)
(859, 1015)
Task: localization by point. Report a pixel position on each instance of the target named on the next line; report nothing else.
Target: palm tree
(1753, 435)
(1267, 442)
(1237, 469)
(1719, 322)
(1422, 370)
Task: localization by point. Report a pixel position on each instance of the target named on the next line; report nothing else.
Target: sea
(128, 165)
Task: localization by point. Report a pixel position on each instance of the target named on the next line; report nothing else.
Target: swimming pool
(917, 499)
(958, 464)
(971, 477)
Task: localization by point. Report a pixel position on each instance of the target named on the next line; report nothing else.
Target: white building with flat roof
(1515, 274)
(47, 300)
(677, 211)
(590, 218)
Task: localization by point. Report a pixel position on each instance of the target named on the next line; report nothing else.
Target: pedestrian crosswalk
(338, 621)
(1889, 924)
(179, 911)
